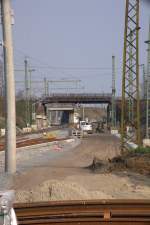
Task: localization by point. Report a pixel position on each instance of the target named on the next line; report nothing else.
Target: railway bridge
(57, 104)
(83, 98)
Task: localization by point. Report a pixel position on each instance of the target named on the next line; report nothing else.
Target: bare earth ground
(66, 176)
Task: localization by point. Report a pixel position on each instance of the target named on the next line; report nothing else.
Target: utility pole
(1, 88)
(131, 26)
(1, 79)
(113, 120)
(148, 87)
(46, 87)
(27, 104)
(83, 112)
(30, 86)
(33, 112)
(30, 97)
(144, 82)
(10, 151)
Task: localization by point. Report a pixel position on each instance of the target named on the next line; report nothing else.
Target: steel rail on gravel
(114, 212)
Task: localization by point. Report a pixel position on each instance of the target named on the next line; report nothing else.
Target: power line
(71, 68)
(47, 66)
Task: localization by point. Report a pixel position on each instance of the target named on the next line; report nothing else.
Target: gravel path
(66, 177)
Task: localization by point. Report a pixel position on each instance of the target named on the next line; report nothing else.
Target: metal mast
(30, 83)
(144, 82)
(113, 121)
(131, 26)
(27, 90)
(148, 87)
(46, 87)
(144, 98)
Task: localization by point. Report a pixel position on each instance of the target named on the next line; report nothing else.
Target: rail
(85, 212)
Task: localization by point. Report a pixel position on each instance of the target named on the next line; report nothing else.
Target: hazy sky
(74, 39)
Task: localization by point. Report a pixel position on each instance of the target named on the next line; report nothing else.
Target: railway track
(85, 212)
(32, 142)
(23, 140)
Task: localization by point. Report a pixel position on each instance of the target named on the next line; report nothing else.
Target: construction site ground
(64, 171)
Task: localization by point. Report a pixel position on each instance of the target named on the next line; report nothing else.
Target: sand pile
(58, 190)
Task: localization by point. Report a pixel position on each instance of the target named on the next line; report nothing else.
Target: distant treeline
(20, 112)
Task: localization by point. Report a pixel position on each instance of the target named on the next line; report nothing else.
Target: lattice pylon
(130, 126)
(148, 87)
(131, 83)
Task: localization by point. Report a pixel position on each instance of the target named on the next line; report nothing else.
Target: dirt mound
(137, 162)
(58, 190)
(102, 166)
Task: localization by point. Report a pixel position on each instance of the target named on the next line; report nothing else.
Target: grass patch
(143, 150)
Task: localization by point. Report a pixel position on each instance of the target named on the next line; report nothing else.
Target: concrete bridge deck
(78, 98)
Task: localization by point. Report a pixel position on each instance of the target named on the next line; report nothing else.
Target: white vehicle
(85, 127)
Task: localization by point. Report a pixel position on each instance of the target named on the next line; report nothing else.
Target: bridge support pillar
(50, 117)
(71, 117)
(108, 115)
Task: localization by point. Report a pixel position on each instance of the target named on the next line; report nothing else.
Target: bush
(143, 150)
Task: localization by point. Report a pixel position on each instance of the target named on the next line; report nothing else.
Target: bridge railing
(80, 95)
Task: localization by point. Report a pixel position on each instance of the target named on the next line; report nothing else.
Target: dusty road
(73, 161)
(66, 177)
